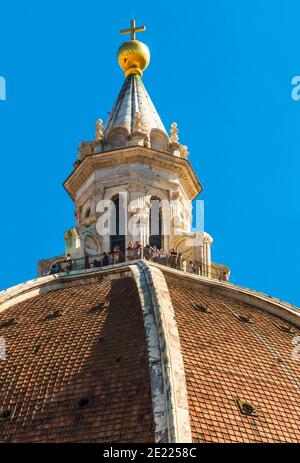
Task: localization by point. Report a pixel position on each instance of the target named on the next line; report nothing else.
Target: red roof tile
(70, 349)
(226, 359)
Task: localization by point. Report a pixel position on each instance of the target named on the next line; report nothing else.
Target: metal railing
(173, 260)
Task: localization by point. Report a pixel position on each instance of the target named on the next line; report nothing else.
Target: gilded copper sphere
(133, 57)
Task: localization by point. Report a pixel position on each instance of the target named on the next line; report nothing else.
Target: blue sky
(221, 69)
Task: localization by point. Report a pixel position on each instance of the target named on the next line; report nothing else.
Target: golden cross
(133, 29)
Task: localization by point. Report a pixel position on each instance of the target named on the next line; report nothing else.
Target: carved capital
(174, 195)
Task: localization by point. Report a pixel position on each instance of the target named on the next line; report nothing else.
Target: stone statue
(174, 131)
(99, 130)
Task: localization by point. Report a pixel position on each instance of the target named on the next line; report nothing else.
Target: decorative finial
(133, 56)
(184, 151)
(174, 131)
(99, 130)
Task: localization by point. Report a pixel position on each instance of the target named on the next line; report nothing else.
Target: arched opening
(155, 238)
(117, 239)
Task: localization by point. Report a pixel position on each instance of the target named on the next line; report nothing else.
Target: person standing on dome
(105, 260)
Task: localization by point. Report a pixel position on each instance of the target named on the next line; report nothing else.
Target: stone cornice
(277, 307)
(135, 154)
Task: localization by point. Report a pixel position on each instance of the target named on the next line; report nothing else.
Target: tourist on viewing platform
(199, 267)
(54, 269)
(225, 276)
(179, 261)
(173, 258)
(138, 250)
(68, 261)
(105, 260)
(192, 268)
(116, 254)
(163, 257)
(96, 263)
(154, 251)
(147, 252)
(130, 251)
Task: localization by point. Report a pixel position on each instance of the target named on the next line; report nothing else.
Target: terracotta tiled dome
(69, 372)
(98, 356)
(242, 383)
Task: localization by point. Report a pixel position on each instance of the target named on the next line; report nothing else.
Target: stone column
(140, 225)
(139, 210)
(174, 218)
(207, 240)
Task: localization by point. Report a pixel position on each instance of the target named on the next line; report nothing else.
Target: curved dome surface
(236, 354)
(142, 353)
(68, 374)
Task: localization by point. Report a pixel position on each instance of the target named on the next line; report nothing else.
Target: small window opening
(285, 328)
(5, 414)
(244, 319)
(246, 408)
(201, 308)
(55, 314)
(99, 307)
(84, 402)
(9, 322)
